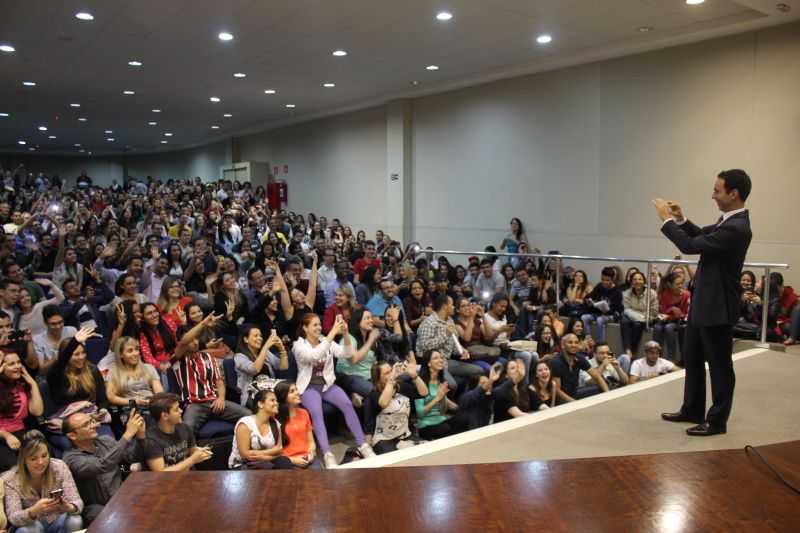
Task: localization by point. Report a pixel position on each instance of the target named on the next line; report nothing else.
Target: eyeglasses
(89, 423)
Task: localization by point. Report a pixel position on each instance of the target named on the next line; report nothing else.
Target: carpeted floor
(627, 421)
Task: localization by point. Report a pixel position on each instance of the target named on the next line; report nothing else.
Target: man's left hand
(219, 405)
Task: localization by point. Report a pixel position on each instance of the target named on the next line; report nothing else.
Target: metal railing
(650, 262)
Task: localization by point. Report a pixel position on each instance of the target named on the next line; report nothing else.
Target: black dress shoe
(706, 430)
(681, 417)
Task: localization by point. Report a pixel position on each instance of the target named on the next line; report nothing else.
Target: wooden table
(701, 491)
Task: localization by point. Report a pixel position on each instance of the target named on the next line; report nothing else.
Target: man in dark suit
(715, 302)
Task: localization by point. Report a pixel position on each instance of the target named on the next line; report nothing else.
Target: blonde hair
(83, 380)
(348, 292)
(121, 375)
(31, 441)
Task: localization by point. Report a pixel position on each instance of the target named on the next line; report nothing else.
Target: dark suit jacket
(717, 292)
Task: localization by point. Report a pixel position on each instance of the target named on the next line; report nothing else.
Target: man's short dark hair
(608, 272)
(486, 261)
(5, 283)
(68, 280)
(738, 179)
(162, 402)
(252, 271)
(440, 301)
(49, 311)
(66, 425)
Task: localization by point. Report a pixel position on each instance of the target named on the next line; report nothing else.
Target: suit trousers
(713, 344)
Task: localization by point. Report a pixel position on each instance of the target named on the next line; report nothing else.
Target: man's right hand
(201, 454)
(675, 211)
(134, 425)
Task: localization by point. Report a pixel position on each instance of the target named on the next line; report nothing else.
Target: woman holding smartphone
(40, 492)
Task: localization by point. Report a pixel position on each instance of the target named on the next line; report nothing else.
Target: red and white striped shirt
(197, 377)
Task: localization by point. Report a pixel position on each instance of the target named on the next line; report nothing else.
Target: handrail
(766, 266)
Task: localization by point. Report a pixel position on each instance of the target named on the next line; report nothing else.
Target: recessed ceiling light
(3, 114)
(110, 139)
(215, 99)
(543, 39)
(109, 131)
(269, 91)
(168, 134)
(644, 29)
(21, 142)
(135, 63)
(51, 136)
(432, 67)
(81, 151)
(77, 145)
(214, 127)
(290, 106)
(694, 2)
(339, 53)
(74, 105)
(29, 83)
(32, 149)
(81, 119)
(128, 92)
(152, 123)
(227, 115)
(329, 85)
(156, 111)
(444, 15)
(225, 36)
(163, 142)
(83, 15)
(240, 75)
(7, 48)
(42, 128)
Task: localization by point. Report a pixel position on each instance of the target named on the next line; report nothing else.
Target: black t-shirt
(504, 399)
(569, 376)
(174, 447)
(292, 325)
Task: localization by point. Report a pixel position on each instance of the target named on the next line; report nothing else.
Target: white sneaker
(357, 400)
(366, 451)
(329, 460)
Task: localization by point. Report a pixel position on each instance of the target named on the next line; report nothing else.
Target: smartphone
(56, 493)
(16, 335)
(273, 332)
(497, 367)
(132, 404)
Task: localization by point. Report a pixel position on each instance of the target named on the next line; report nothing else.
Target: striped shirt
(197, 377)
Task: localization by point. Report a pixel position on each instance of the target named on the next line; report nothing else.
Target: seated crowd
(217, 312)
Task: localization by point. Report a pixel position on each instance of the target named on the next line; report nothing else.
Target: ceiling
(287, 46)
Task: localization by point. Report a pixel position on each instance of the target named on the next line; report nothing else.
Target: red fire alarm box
(277, 195)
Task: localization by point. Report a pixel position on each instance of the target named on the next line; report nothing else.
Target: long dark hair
(354, 327)
(8, 389)
(163, 330)
(130, 329)
(282, 393)
(261, 396)
(368, 278)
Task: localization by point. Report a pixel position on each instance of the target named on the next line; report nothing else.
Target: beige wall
(337, 166)
(578, 153)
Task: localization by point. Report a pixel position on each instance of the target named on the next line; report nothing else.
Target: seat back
(96, 349)
(229, 368)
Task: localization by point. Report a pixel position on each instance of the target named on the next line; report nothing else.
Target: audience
(144, 262)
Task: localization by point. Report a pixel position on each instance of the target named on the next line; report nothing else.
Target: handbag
(480, 352)
(262, 382)
(54, 423)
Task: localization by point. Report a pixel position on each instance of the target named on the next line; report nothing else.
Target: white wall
(203, 161)
(101, 169)
(577, 154)
(337, 166)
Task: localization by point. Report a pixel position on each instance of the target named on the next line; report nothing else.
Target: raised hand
(85, 334)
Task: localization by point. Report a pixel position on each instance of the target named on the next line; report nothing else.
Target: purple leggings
(312, 400)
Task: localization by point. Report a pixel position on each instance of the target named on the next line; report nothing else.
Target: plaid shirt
(432, 335)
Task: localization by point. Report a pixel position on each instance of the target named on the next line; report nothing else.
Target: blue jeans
(794, 324)
(666, 331)
(66, 523)
(601, 320)
(354, 384)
